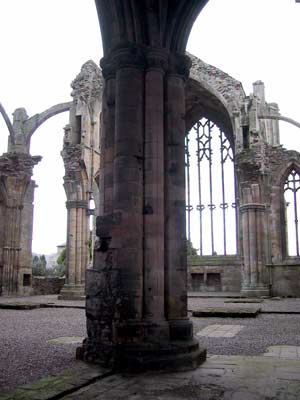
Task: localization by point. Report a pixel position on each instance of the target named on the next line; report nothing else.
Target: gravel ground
(25, 355)
(258, 333)
(275, 304)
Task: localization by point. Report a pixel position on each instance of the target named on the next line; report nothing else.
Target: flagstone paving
(217, 330)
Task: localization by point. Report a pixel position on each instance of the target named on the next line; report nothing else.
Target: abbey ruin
(125, 147)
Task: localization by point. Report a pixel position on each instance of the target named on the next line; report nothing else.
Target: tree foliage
(60, 269)
(191, 251)
(39, 264)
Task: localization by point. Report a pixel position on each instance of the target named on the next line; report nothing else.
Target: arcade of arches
(153, 93)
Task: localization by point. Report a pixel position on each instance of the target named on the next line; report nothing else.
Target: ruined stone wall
(261, 164)
(285, 280)
(214, 274)
(42, 285)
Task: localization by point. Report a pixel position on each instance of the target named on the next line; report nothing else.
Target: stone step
(227, 312)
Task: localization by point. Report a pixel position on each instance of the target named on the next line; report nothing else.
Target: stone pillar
(11, 249)
(154, 195)
(255, 280)
(136, 291)
(81, 157)
(15, 173)
(176, 259)
(25, 255)
(77, 256)
(77, 250)
(127, 233)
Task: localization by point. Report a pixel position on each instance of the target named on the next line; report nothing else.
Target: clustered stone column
(136, 291)
(254, 272)
(81, 159)
(17, 192)
(77, 251)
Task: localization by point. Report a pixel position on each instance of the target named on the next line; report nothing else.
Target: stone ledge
(244, 301)
(32, 306)
(56, 386)
(224, 312)
(19, 306)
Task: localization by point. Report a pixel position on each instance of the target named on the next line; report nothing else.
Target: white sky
(44, 43)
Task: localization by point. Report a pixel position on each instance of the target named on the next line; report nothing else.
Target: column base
(258, 291)
(72, 292)
(181, 329)
(136, 357)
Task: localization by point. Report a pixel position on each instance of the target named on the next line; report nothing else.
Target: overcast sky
(44, 43)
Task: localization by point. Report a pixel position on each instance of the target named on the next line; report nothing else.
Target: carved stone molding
(72, 156)
(88, 84)
(18, 164)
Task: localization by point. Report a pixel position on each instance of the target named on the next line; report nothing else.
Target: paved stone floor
(217, 330)
(249, 358)
(220, 377)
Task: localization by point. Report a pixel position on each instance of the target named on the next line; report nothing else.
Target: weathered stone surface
(47, 285)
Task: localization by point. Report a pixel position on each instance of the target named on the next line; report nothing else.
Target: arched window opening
(292, 203)
(210, 190)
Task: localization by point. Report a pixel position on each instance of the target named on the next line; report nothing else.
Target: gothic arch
(213, 94)
(165, 24)
(292, 166)
(216, 96)
(286, 169)
(278, 237)
(38, 119)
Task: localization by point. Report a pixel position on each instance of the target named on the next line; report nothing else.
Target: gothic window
(210, 190)
(292, 204)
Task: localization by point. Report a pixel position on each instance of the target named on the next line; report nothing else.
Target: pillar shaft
(11, 250)
(77, 248)
(128, 188)
(254, 273)
(154, 213)
(175, 256)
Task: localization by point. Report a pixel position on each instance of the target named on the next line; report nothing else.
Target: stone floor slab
(242, 378)
(287, 352)
(220, 331)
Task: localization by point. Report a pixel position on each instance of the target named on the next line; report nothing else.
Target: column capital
(129, 55)
(157, 59)
(179, 64)
(18, 165)
(76, 204)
